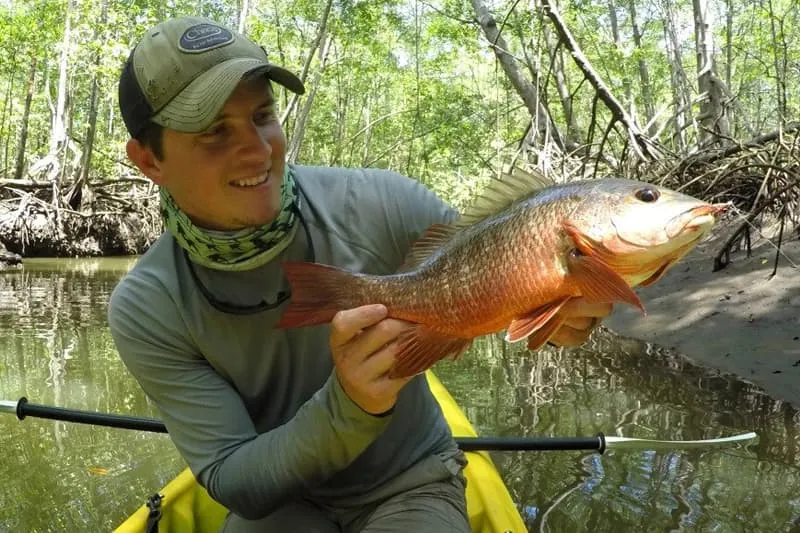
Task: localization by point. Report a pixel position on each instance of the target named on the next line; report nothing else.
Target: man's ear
(145, 160)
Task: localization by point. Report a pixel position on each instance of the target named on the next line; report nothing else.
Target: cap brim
(195, 108)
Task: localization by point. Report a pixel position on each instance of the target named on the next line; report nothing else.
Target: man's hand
(362, 342)
(581, 317)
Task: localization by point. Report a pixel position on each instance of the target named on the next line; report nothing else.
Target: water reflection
(624, 387)
(55, 348)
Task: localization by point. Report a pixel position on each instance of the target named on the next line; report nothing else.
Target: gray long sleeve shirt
(256, 411)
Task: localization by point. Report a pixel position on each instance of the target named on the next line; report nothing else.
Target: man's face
(229, 176)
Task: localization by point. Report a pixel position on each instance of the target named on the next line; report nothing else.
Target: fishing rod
(22, 408)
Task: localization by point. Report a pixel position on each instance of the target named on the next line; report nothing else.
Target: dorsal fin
(497, 196)
(434, 237)
(503, 192)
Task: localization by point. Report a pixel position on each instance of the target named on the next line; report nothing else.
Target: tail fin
(318, 293)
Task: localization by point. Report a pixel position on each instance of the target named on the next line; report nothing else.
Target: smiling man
(232, 187)
(292, 430)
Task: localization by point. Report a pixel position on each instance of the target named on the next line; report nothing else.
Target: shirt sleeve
(251, 474)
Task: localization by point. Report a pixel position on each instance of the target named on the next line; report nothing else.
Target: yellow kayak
(186, 506)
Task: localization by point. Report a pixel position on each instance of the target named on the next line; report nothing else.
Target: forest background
(699, 95)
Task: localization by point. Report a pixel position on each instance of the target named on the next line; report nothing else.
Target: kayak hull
(186, 507)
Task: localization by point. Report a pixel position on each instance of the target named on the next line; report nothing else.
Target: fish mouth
(697, 219)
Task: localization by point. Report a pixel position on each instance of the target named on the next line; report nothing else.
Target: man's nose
(255, 145)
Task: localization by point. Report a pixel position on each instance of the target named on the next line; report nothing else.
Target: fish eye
(648, 194)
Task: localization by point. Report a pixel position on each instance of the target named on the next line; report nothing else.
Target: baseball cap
(183, 70)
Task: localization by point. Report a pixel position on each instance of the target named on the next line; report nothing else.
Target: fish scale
(521, 252)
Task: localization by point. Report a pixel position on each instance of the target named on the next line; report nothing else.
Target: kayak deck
(186, 506)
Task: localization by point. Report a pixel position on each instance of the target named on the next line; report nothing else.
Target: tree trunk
(278, 45)
(323, 29)
(300, 125)
(79, 195)
(574, 131)
(51, 165)
(644, 75)
(6, 109)
(778, 45)
(58, 135)
(612, 15)
(521, 84)
(19, 167)
(678, 82)
(729, 56)
(243, 16)
(367, 131)
(712, 118)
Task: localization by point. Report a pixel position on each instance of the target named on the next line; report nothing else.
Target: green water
(55, 349)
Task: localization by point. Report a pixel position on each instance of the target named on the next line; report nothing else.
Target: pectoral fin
(421, 347)
(526, 325)
(599, 283)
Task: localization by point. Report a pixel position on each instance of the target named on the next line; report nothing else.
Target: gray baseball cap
(183, 70)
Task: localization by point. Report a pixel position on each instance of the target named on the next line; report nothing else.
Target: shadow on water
(629, 388)
(55, 348)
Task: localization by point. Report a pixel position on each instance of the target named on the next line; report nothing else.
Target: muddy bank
(740, 320)
(42, 233)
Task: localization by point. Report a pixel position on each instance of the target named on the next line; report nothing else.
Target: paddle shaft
(22, 408)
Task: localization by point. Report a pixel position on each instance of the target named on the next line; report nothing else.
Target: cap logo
(203, 37)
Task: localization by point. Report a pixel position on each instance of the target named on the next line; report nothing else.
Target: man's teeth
(251, 182)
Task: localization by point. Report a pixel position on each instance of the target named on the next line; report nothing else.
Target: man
(292, 430)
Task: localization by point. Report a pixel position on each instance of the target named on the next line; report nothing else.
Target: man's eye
(214, 131)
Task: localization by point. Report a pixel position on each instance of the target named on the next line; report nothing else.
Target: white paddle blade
(628, 443)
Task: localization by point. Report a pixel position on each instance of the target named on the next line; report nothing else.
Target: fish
(511, 261)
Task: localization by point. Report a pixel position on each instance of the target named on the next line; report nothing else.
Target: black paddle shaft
(467, 444)
(508, 444)
(24, 408)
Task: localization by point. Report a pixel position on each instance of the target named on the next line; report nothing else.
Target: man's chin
(260, 219)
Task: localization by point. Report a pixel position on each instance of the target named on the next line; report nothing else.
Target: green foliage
(408, 85)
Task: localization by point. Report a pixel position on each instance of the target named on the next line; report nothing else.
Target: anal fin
(528, 324)
(421, 347)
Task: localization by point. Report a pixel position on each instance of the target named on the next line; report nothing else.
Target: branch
(27, 185)
(723, 256)
(711, 156)
(644, 147)
(448, 15)
(118, 181)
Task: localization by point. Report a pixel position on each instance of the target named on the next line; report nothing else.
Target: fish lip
(691, 218)
(710, 209)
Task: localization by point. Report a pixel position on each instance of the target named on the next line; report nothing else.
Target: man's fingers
(580, 323)
(381, 362)
(377, 336)
(349, 323)
(570, 337)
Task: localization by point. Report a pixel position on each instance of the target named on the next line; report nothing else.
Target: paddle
(599, 443)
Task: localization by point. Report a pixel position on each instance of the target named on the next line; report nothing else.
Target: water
(55, 349)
